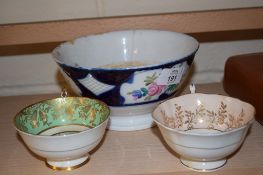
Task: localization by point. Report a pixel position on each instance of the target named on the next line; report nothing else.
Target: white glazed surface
(65, 148)
(131, 118)
(150, 46)
(203, 146)
(130, 123)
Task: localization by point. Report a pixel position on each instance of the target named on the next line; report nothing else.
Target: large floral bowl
(204, 129)
(130, 70)
(63, 130)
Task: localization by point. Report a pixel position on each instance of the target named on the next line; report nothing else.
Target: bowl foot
(68, 164)
(130, 123)
(203, 166)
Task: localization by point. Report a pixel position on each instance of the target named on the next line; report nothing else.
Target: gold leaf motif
(87, 108)
(178, 108)
(169, 121)
(212, 116)
(43, 117)
(178, 116)
(69, 112)
(34, 124)
(221, 116)
(190, 118)
(81, 101)
(92, 115)
(231, 121)
(223, 106)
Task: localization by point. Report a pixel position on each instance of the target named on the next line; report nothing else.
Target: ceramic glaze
(63, 130)
(204, 129)
(100, 66)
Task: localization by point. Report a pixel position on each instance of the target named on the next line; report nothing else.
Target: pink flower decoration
(155, 89)
(161, 87)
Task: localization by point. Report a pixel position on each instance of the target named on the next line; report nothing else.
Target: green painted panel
(61, 111)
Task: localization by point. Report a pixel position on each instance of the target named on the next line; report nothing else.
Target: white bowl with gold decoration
(63, 130)
(204, 129)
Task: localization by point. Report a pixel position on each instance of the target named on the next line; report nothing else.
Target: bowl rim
(183, 132)
(145, 67)
(60, 136)
(248, 123)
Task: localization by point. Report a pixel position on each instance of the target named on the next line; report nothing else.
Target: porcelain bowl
(204, 129)
(131, 71)
(63, 130)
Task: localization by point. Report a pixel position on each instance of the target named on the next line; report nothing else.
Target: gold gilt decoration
(177, 121)
(209, 119)
(61, 111)
(235, 122)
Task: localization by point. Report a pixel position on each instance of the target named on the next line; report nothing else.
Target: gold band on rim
(67, 168)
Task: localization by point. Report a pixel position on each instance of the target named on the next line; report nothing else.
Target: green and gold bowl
(63, 130)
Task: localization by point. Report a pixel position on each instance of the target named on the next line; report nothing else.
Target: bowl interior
(121, 49)
(202, 112)
(61, 116)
